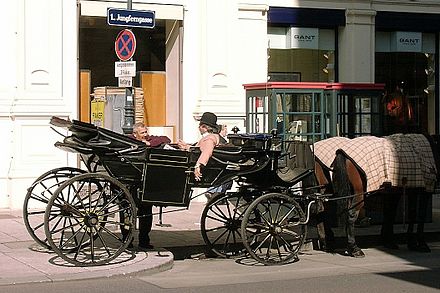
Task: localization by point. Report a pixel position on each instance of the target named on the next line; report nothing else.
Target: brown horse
(349, 184)
(352, 205)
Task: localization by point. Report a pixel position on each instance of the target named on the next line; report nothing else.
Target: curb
(145, 262)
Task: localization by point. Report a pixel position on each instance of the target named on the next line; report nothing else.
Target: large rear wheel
(273, 229)
(84, 219)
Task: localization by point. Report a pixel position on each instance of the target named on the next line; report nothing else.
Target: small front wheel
(221, 223)
(273, 229)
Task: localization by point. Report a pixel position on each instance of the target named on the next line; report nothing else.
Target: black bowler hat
(209, 119)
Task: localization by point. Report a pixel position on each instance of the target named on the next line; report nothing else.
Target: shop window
(296, 116)
(412, 73)
(311, 60)
(358, 115)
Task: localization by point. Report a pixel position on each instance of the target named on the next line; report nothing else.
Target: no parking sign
(125, 45)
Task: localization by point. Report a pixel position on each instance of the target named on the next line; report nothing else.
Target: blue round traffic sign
(125, 45)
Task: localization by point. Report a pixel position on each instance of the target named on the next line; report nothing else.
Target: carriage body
(164, 176)
(91, 214)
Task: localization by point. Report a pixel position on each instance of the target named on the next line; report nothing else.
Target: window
(358, 115)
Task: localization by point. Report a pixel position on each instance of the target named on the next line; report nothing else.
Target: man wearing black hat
(210, 139)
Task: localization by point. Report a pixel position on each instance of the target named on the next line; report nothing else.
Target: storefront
(157, 53)
(303, 44)
(407, 47)
(399, 50)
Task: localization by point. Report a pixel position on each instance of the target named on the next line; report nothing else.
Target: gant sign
(303, 38)
(407, 42)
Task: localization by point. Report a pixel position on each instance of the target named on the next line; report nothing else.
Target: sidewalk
(24, 261)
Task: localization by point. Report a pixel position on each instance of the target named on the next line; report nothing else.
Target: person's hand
(182, 145)
(197, 173)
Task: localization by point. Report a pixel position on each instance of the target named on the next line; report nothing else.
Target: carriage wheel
(84, 219)
(38, 196)
(272, 230)
(221, 223)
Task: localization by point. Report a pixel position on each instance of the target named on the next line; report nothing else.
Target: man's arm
(156, 141)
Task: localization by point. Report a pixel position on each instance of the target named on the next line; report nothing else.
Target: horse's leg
(325, 233)
(424, 199)
(350, 217)
(417, 206)
(355, 204)
(342, 168)
(390, 202)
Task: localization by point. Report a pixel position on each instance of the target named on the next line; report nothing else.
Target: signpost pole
(127, 128)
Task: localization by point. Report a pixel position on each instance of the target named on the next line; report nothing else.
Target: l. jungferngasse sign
(131, 18)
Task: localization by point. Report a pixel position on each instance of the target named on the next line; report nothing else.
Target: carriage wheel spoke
(262, 242)
(219, 212)
(278, 249)
(41, 198)
(111, 201)
(112, 234)
(36, 213)
(270, 247)
(220, 236)
(92, 245)
(64, 228)
(291, 210)
(72, 226)
(98, 232)
(62, 245)
(221, 220)
(113, 212)
(79, 247)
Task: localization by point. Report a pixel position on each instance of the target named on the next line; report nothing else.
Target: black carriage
(89, 215)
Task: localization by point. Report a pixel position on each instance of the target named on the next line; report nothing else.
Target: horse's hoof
(355, 252)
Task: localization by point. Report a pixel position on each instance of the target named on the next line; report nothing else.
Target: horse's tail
(340, 180)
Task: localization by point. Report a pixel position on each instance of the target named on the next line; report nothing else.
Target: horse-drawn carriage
(90, 215)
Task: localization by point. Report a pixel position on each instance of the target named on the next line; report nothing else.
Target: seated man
(145, 211)
(140, 132)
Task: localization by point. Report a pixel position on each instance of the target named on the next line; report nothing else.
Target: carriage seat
(251, 141)
(227, 153)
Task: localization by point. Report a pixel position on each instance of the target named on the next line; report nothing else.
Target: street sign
(125, 45)
(124, 69)
(131, 18)
(125, 81)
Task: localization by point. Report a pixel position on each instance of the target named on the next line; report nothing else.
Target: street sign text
(131, 18)
(127, 68)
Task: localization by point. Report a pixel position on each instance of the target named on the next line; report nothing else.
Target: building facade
(201, 52)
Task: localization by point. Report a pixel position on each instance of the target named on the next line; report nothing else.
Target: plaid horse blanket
(385, 159)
